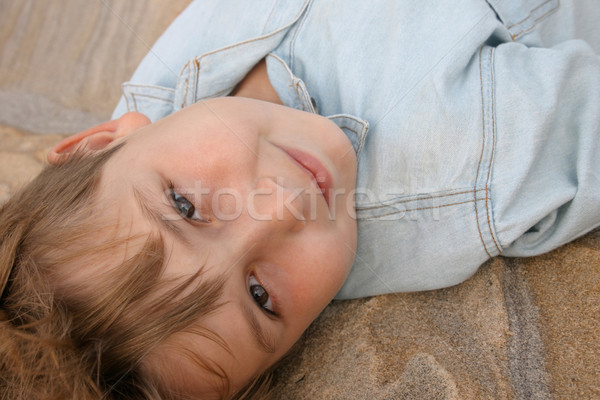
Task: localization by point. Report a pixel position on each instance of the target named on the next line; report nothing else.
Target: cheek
(319, 276)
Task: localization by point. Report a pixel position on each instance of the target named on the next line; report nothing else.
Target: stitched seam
(350, 129)
(347, 116)
(127, 95)
(534, 25)
(185, 91)
(199, 59)
(135, 107)
(218, 94)
(428, 197)
(305, 97)
(487, 183)
(530, 14)
(297, 31)
(482, 150)
(195, 85)
(296, 83)
(421, 209)
(146, 86)
(538, 19)
(298, 94)
(141, 95)
(359, 135)
(535, 21)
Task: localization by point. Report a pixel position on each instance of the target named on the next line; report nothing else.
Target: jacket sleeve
(545, 179)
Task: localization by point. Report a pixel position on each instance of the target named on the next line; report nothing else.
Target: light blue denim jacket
(476, 123)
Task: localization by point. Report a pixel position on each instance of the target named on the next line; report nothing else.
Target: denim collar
(216, 73)
(293, 93)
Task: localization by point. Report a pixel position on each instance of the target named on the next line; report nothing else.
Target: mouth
(315, 169)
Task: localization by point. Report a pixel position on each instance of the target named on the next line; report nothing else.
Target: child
(182, 248)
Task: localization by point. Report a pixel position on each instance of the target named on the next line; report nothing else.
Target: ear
(97, 138)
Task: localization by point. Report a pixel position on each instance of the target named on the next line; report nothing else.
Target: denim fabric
(476, 123)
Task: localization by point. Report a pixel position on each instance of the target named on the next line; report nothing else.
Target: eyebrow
(263, 338)
(155, 215)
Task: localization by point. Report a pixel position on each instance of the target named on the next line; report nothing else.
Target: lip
(314, 168)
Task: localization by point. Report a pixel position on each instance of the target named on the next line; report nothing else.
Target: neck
(256, 85)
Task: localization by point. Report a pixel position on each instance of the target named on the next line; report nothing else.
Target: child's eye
(260, 295)
(184, 207)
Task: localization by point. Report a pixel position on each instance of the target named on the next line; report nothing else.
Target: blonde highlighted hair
(62, 338)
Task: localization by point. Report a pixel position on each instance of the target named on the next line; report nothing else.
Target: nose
(274, 209)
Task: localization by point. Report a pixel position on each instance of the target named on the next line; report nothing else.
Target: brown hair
(63, 338)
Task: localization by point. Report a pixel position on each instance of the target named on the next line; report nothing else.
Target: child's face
(229, 183)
